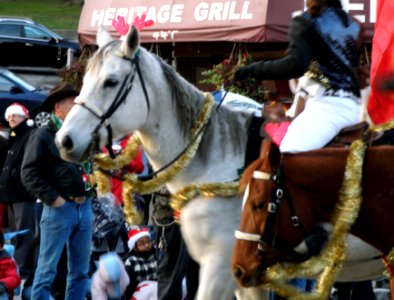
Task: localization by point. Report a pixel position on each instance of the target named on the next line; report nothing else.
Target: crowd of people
(59, 254)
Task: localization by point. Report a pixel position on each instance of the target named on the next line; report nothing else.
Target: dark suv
(24, 42)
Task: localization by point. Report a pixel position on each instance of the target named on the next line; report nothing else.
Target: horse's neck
(219, 156)
(175, 106)
(160, 136)
(313, 180)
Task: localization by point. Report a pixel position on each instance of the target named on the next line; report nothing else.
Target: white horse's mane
(187, 99)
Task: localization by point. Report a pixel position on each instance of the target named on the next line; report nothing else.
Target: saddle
(349, 134)
(277, 123)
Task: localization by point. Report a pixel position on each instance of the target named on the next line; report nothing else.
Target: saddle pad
(276, 131)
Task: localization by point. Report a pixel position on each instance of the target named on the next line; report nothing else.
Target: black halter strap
(268, 236)
(120, 97)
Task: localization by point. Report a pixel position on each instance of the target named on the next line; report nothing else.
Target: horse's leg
(208, 230)
(392, 288)
(215, 283)
(253, 293)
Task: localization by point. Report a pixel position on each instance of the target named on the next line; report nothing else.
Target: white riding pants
(322, 119)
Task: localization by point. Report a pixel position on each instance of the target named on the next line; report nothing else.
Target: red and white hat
(19, 110)
(135, 235)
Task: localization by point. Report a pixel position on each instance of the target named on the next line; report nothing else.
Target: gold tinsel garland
(150, 186)
(105, 162)
(383, 127)
(389, 264)
(329, 262)
(209, 190)
(131, 182)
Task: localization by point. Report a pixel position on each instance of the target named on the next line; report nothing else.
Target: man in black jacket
(20, 204)
(67, 213)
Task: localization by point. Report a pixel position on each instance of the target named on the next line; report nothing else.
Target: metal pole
(70, 56)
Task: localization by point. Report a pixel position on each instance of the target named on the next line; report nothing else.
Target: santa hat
(135, 235)
(19, 110)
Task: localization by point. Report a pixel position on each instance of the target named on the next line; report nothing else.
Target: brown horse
(311, 182)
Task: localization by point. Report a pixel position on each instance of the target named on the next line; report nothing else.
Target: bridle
(120, 97)
(268, 238)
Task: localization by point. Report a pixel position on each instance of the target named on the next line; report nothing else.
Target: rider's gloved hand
(254, 70)
(242, 73)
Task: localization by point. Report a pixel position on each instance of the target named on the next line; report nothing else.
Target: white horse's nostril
(67, 143)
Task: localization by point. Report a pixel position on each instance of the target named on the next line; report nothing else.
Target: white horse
(162, 108)
(163, 122)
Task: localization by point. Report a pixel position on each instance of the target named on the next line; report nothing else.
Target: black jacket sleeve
(34, 172)
(294, 64)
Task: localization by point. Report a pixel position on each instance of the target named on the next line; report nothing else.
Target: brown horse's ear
(132, 42)
(274, 155)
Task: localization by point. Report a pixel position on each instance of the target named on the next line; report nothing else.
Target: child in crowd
(110, 279)
(9, 277)
(141, 266)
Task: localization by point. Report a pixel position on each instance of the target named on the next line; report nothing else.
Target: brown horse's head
(246, 262)
(268, 233)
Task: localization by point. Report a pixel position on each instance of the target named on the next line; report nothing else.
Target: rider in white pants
(322, 119)
(326, 35)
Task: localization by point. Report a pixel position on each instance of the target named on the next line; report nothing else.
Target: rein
(120, 97)
(268, 237)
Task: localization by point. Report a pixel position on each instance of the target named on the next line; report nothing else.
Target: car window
(36, 33)
(12, 77)
(10, 30)
(5, 84)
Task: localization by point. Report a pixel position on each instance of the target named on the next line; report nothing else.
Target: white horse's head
(116, 90)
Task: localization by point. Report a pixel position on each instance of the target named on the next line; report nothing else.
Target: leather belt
(78, 199)
(341, 94)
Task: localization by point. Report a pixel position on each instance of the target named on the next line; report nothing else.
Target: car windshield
(20, 81)
(52, 33)
(40, 33)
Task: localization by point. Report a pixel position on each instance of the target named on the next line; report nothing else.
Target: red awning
(208, 21)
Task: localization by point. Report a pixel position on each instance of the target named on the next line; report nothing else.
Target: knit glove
(242, 73)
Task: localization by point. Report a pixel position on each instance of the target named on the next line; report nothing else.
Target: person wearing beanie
(110, 279)
(20, 203)
(141, 266)
(67, 206)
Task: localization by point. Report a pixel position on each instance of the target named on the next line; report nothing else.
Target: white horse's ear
(132, 42)
(103, 37)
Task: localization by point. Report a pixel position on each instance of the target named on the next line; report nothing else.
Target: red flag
(381, 103)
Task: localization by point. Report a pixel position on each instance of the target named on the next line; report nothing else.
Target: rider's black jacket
(332, 39)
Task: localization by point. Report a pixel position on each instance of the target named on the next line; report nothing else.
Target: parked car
(24, 42)
(15, 89)
(237, 101)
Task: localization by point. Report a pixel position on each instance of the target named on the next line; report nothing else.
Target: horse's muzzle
(66, 143)
(243, 279)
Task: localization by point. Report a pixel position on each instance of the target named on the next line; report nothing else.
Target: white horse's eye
(110, 83)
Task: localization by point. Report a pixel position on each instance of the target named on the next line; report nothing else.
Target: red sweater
(8, 272)
(135, 166)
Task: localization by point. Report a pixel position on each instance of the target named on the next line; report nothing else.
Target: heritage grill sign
(199, 21)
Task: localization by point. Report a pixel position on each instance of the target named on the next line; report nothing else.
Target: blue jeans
(71, 225)
(304, 285)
